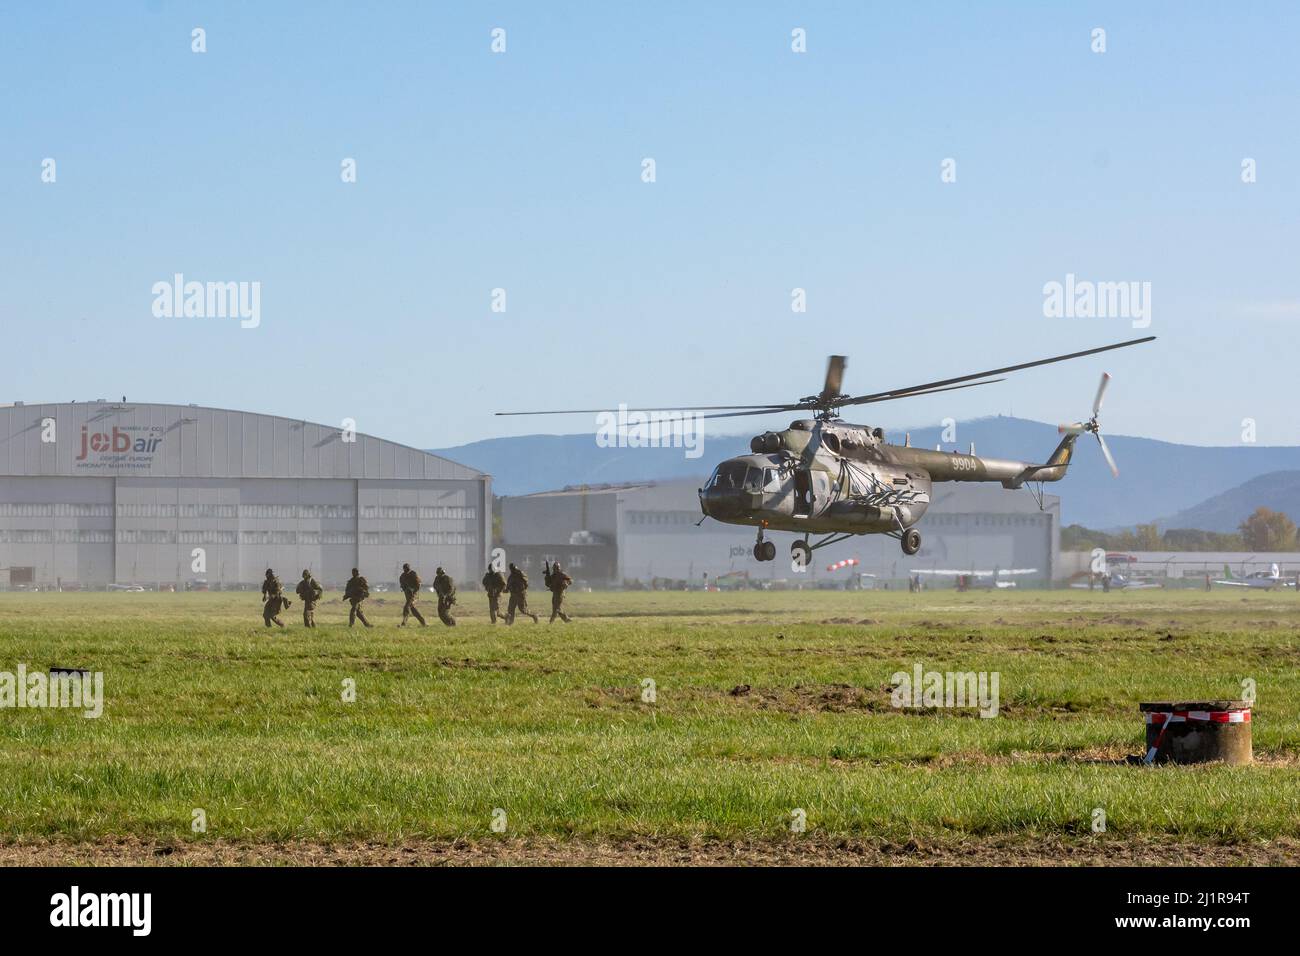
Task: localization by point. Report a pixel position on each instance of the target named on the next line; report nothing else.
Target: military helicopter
(824, 476)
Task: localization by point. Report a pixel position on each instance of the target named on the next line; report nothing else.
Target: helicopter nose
(720, 504)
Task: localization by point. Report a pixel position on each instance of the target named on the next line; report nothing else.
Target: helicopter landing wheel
(911, 541)
(800, 553)
(769, 551)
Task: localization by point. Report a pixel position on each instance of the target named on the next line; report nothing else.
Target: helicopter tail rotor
(1105, 450)
(1101, 394)
(1094, 426)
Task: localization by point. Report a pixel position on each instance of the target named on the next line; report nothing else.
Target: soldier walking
(273, 599)
(445, 588)
(556, 581)
(517, 586)
(309, 591)
(410, 585)
(356, 591)
(494, 582)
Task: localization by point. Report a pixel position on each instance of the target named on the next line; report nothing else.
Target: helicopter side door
(811, 492)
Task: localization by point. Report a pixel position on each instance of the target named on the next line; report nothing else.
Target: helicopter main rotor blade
(927, 391)
(830, 397)
(834, 377)
(759, 411)
(921, 389)
(751, 409)
(680, 408)
(886, 398)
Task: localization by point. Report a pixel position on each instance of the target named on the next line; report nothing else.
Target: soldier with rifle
(354, 592)
(494, 582)
(445, 588)
(309, 591)
(517, 586)
(273, 600)
(556, 582)
(409, 582)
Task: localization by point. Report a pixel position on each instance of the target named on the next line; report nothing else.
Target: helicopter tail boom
(1055, 467)
(955, 466)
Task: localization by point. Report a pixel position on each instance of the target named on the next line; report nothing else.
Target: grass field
(204, 709)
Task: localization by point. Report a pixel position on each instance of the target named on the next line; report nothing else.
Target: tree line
(1263, 530)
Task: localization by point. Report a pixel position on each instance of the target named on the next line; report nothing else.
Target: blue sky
(775, 170)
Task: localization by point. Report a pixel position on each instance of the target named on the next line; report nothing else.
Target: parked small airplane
(1269, 580)
(1115, 581)
(972, 580)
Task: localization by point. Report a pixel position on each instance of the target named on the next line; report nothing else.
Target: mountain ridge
(1224, 512)
(1157, 478)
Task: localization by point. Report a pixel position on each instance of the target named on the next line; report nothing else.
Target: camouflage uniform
(445, 588)
(410, 585)
(494, 582)
(356, 591)
(309, 592)
(517, 585)
(273, 599)
(556, 582)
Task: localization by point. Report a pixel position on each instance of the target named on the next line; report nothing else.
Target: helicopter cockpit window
(729, 476)
(771, 479)
(754, 479)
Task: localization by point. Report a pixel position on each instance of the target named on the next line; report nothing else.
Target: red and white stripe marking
(1205, 716)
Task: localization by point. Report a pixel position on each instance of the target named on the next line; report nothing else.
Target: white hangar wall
(127, 493)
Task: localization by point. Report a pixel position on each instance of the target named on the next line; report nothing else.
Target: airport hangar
(620, 534)
(98, 493)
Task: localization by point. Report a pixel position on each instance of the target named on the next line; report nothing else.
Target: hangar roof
(142, 439)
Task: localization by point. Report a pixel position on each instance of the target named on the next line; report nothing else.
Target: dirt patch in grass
(469, 663)
(616, 697)
(799, 699)
(814, 698)
(807, 850)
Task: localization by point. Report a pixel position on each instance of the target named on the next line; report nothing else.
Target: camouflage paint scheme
(860, 484)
